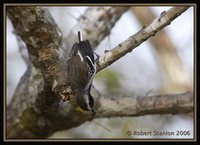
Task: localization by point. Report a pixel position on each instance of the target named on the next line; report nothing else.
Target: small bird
(81, 71)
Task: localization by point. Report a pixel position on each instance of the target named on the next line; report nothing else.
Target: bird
(81, 72)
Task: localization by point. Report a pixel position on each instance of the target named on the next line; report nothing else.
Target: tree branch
(44, 43)
(139, 105)
(133, 41)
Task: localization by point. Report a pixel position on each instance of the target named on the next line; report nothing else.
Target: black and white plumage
(81, 71)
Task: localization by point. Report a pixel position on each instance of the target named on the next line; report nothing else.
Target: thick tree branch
(139, 105)
(133, 41)
(44, 43)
